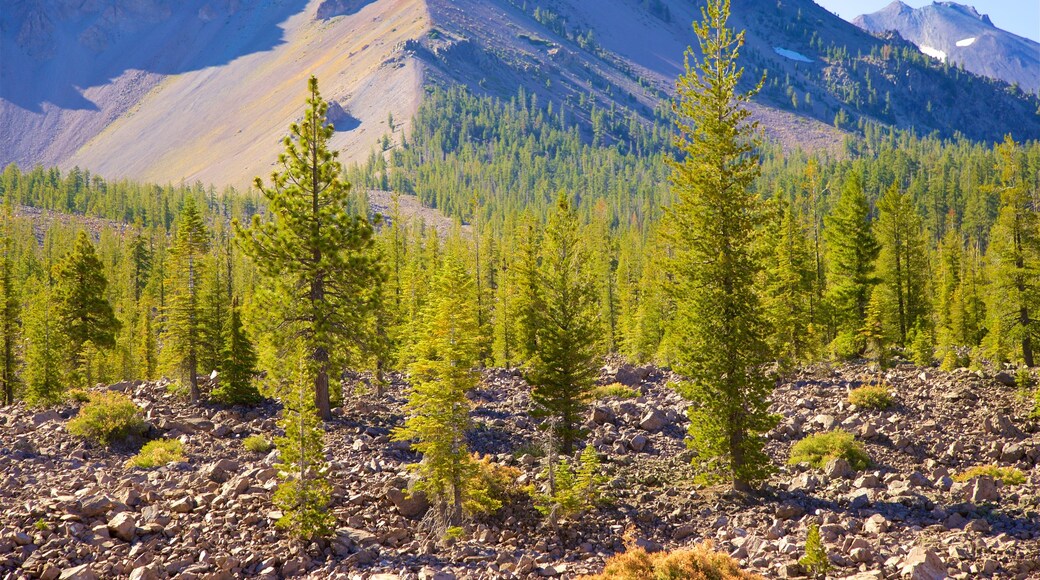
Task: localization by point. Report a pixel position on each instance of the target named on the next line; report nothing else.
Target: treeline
(917, 225)
(103, 301)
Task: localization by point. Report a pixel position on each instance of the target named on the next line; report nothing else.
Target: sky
(1019, 16)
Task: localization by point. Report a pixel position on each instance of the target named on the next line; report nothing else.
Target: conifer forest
(511, 343)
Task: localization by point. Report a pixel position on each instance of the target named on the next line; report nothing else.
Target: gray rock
(81, 572)
(409, 505)
(839, 468)
(923, 564)
(683, 532)
(983, 490)
(123, 526)
(1001, 424)
(631, 376)
(602, 415)
(221, 471)
(183, 505)
(638, 442)
(1005, 378)
(653, 420)
(148, 572)
(95, 506)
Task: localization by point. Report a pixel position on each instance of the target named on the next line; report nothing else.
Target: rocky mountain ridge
(959, 34)
(203, 90)
(74, 510)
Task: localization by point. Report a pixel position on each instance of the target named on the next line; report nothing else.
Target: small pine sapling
(304, 492)
(815, 559)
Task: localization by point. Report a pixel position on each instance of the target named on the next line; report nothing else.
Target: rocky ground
(73, 510)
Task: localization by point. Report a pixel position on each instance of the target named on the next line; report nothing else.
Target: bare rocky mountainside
(961, 35)
(166, 91)
(73, 510)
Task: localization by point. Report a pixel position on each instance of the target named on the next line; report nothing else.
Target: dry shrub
(700, 562)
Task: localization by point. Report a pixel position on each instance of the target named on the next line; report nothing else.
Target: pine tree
(712, 228)
(788, 285)
(317, 257)
(442, 371)
(140, 263)
(304, 493)
(44, 347)
(851, 251)
(1014, 262)
(529, 301)
(10, 317)
(185, 317)
(568, 328)
(238, 364)
(902, 260)
(815, 559)
(83, 314)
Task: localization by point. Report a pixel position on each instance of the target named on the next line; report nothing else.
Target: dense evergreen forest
(581, 242)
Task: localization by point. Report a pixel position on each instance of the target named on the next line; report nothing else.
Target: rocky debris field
(71, 510)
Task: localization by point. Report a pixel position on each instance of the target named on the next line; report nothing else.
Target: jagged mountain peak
(961, 35)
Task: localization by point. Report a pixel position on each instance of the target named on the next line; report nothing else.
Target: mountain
(172, 90)
(959, 34)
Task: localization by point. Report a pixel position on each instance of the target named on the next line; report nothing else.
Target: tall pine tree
(442, 371)
(84, 315)
(851, 251)
(711, 226)
(185, 317)
(317, 256)
(568, 328)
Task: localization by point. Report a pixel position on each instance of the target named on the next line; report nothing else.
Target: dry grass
(701, 562)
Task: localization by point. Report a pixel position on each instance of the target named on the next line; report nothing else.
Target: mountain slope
(125, 93)
(203, 90)
(959, 34)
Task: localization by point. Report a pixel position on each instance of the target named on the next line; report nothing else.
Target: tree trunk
(321, 386)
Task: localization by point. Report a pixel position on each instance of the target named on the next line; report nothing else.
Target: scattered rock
(653, 420)
(923, 564)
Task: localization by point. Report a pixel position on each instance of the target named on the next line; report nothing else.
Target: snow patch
(933, 52)
(796, 56)
(966, 41)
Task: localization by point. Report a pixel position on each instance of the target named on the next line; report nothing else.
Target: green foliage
(815, 559)
(10, 317)
(257, 444)
(41, 525)
(851, 253)
(922, 347)
(572, 489)
(788, 285)
(711, 229)
(1014, 264)
(876, 397)
(902, 261)
(304, 491)
(442, 372)
(184, 311)
(237, 379)
(616, 390)
(567, 332)
(44, 349)
(107, 418)
(874, 333)
(158, 453)
(316, 254)
(83, 314)
(1006, 475)
(819, 448)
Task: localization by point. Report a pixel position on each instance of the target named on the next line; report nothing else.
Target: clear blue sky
(1019, 16)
